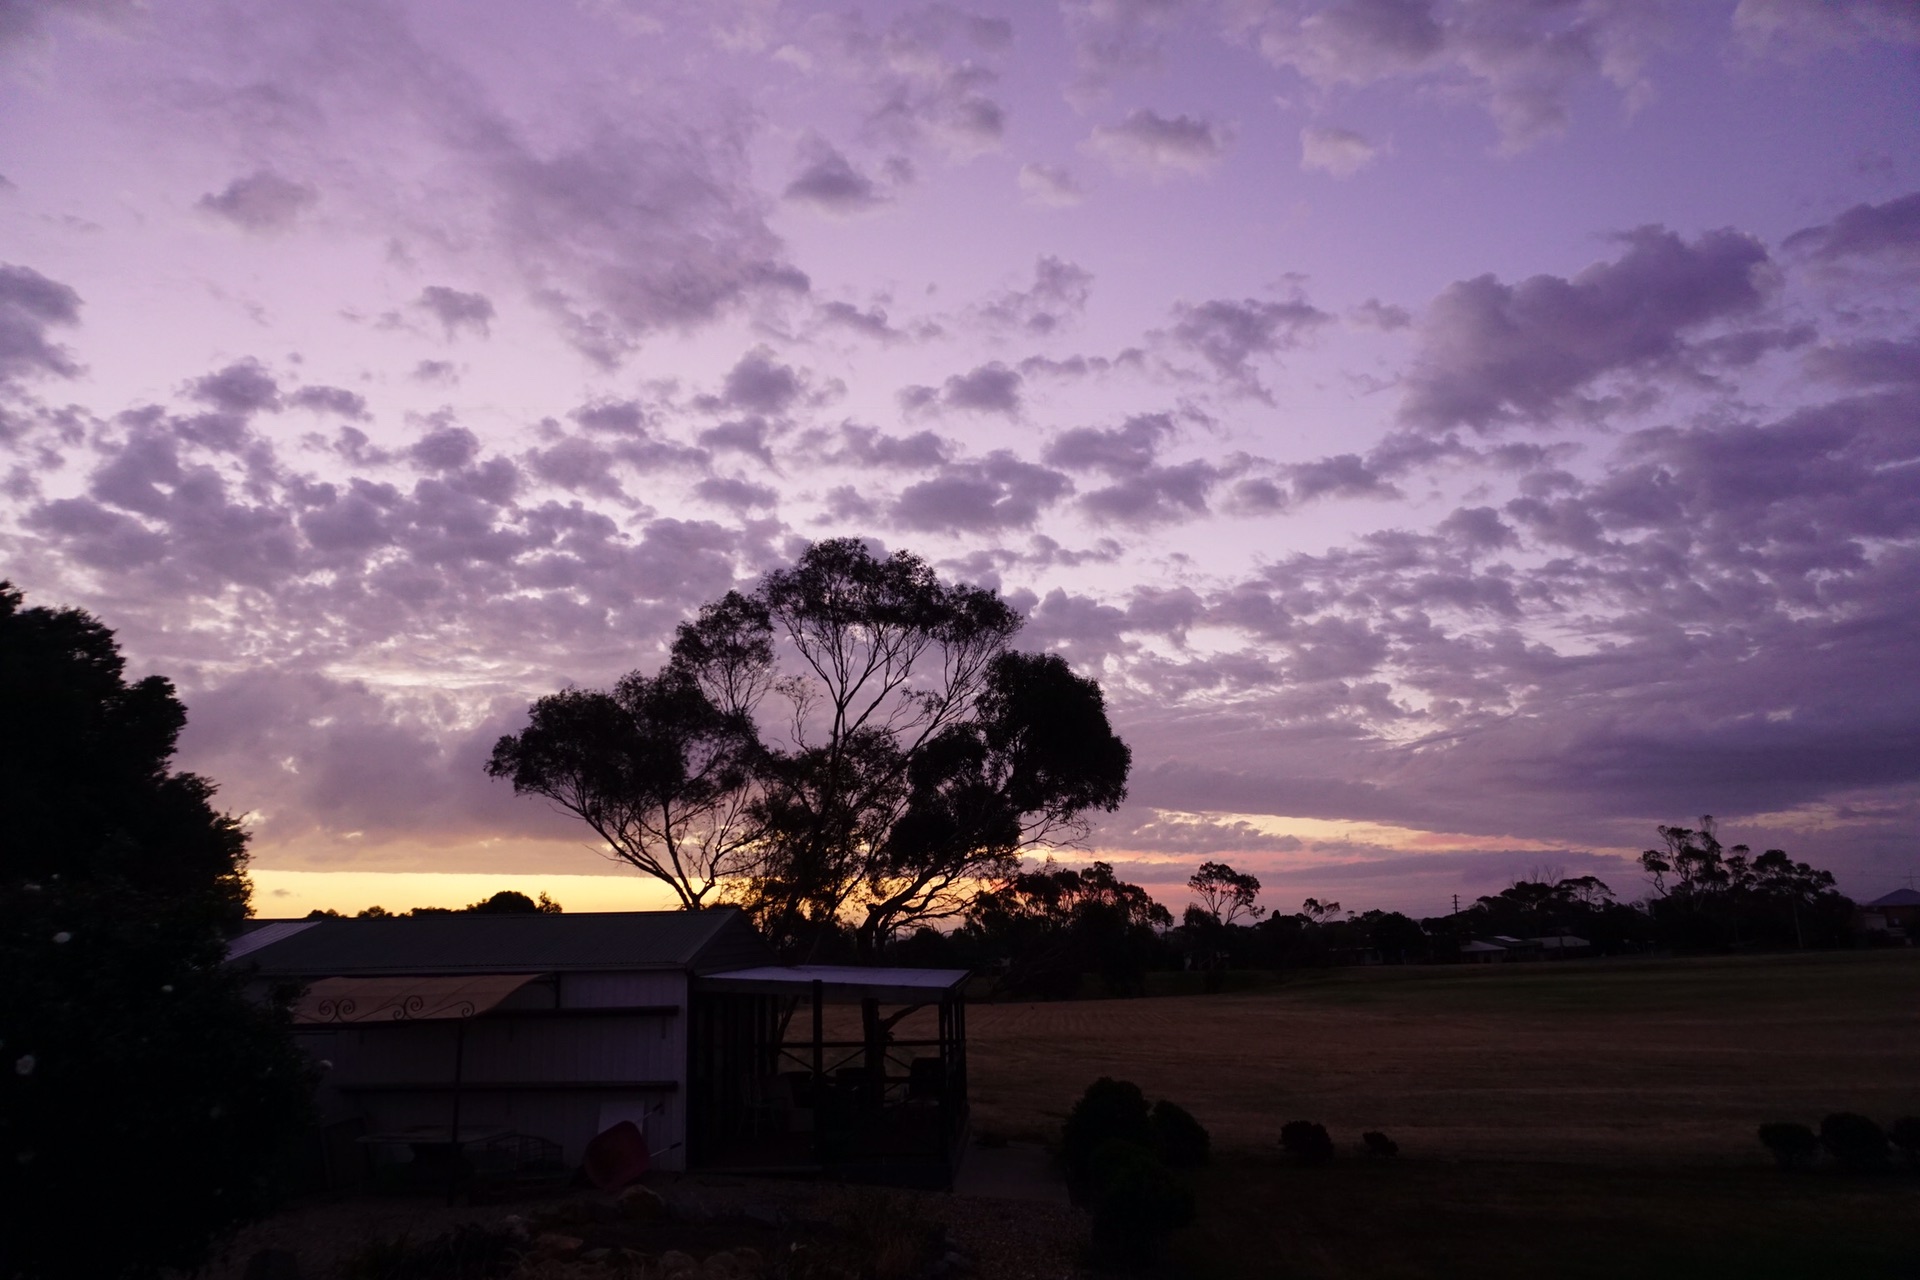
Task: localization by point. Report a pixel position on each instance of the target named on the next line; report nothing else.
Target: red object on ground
(616, 1156)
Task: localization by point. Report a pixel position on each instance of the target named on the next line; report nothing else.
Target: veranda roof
(406, 999)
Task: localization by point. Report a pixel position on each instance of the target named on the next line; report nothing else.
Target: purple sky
(1459, 435)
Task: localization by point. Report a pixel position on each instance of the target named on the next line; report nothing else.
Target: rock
(559, 1246)
(749, 1259)
(676, 1263)
(720, 1266)
(641, 1203)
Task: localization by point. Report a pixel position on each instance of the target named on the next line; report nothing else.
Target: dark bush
(1137, 1203)
(1380, 1145)
(1178, 1139)
(1856, 1142)
(1306, 1141)
(1906, 1136)
(1794, 1145)
(1110, 1109)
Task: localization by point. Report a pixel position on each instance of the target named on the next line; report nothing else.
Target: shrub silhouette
(1794, 1145)
(1906, 1136)
(1137, 1201)
(1855, 1141)
(1178, 1139)
(1110, 1109)
(1306, 1141)
(1380, 1145)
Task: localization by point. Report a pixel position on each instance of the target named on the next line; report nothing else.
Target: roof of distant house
(461, 942)
(1898, 898)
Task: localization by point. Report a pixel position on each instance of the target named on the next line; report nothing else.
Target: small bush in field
(1794, 1145)
(1379, 1145)
(1856, 1142)
(1110, 1109)
(1906, 1136)
(1138, 1201)
(1306, 1141)
(1178, 1139)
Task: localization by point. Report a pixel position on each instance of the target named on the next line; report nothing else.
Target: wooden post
(453, 1134)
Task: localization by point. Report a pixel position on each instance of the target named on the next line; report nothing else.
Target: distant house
(1896, 914)
(1501, 948)
(471, 1034)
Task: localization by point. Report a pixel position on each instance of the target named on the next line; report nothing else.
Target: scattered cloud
(1340, 152)
(261, 202)
(1157, 146)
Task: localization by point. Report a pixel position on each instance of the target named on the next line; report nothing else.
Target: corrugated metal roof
(266, 935)
(840, 981)
(702, 941)
(1898, 898)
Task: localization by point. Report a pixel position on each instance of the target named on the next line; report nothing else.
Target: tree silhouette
(916, 752)
(119, 883)
(1226, 894)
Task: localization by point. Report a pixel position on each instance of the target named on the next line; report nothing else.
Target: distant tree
(126, 1039)
(1794, 1146)
(507, 902)
(511, 902)
(1050, 925)
(1226, 894)
(1708, 896)
(1855, 1142)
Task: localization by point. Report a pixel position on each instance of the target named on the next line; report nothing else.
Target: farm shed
(1896, 914)
(497, 1037)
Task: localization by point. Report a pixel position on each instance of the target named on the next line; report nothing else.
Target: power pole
(1456, 904)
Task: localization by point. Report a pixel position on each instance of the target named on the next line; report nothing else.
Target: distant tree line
(1044, 932)
(507, 902)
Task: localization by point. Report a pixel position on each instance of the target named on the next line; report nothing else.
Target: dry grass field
(1592, 1119)
(1630, 1061)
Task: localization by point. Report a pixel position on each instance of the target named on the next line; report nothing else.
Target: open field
(1629, 1061)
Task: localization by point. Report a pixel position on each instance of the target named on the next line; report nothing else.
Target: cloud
(1520, 62)
(242, 388)
(1340, 152)
(1058, 295)
(334, 400)
(1384, 316)
(871, 447)
(828, 183)
(30, 305)
(1806, 26)
(1492, 353)
(1231, 335)
(982, 495)
(1051, 185)
(261, 202)
(1889, 231)
(1154, 495)
(1159, 146)
(990, 388)
(758, 383)
(1345, 476)
(739, 495)
(456, 310)
(1126, 450)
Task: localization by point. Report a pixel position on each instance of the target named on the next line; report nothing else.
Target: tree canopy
(854, 743)
(119, 883)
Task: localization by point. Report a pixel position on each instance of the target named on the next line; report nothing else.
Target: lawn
(1580, 1119)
